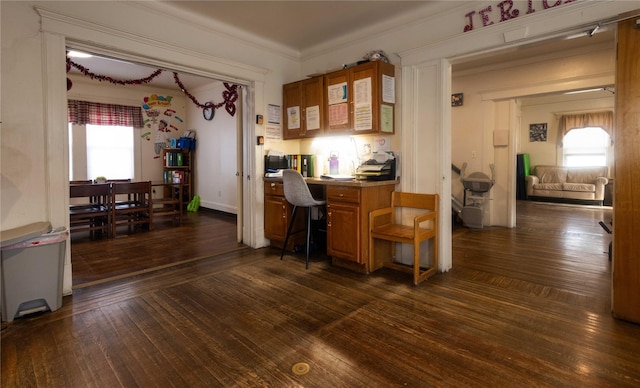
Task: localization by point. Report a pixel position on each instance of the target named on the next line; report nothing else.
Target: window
(586, 147)
(109, 152)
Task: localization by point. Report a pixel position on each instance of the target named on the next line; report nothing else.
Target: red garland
(101, 78)
(230, 95)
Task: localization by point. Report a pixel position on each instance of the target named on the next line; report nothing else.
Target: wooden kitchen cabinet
(348, 223)
(277, 213)
(360, 99)
(303, 108)
(348, 207)
(343, 223)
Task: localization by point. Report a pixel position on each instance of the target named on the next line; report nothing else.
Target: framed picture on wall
(538, 132)
(457, 99)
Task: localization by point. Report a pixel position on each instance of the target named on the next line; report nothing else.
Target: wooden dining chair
(424, 226)
(89, 209)
(131, 205)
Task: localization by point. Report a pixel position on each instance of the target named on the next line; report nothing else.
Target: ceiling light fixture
(78, 54)
(584, 91)
(594, 30)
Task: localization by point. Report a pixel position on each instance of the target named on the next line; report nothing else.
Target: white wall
(216, 151)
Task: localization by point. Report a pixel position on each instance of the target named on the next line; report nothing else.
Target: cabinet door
(275, 217)
(338, 109)
(292, 110)
(364, 88)
(312, 106)
(343, 231)
(303, 104)
(373, 91)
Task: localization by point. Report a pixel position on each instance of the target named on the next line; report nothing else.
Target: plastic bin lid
(23, 233)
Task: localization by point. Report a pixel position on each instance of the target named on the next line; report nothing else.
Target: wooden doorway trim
(626, 216)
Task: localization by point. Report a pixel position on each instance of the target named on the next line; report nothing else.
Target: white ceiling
(299, 25)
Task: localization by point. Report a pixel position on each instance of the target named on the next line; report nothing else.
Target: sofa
(583, 185)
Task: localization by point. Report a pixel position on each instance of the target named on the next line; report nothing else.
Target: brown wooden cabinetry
(343, 223)
(360, 99)
(348, 224)
(303, 108)
(277, 213)
(348, 207)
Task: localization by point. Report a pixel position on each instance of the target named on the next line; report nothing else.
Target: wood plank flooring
(528, 306)
(202, 234)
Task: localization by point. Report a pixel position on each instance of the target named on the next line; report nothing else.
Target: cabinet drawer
(274, 188)
(343, 194)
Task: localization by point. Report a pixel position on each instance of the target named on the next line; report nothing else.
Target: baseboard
(566, 200)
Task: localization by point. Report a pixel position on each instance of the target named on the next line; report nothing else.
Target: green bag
(194, 204)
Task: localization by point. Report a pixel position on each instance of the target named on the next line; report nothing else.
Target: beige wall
(548, 110)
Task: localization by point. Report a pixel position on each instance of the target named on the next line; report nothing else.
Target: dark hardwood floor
(201, 235)
(528, 306)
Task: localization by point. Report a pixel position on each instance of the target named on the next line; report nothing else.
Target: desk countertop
(340, 182)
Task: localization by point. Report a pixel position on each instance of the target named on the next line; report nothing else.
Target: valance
(602, 120)
(85, 112)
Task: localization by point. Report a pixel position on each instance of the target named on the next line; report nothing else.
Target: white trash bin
(32, 269)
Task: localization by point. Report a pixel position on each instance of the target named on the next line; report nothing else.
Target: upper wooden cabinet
(360, 99)
(303, 104)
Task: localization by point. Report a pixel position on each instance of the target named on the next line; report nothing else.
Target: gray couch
(567, 184)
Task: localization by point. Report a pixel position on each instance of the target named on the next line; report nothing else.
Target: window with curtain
(586, 138)
(109, 137)
(109, 152)
(583, 147)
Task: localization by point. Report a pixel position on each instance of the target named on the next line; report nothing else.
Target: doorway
(495, 87)
(233, 136)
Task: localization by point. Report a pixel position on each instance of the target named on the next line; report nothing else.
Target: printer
(381, 167)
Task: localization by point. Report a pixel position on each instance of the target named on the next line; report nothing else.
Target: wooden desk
(348, 207)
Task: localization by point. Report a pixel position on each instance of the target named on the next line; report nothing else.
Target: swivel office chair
(298, 194)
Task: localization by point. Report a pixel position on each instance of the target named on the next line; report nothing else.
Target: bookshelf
(178, 169)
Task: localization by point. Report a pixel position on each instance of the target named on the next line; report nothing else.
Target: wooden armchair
(131, 205)
(383, 226)
(89, 209)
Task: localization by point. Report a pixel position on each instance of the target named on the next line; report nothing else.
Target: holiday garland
(230, 95)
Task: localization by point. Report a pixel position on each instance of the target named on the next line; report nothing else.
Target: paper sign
(313, 117)
(293, 117)
(272, 132)
(273, 114)
(388, 89)
(362, 117)
(338, 114)
(337, 93)
(362, 91)
(386, 118)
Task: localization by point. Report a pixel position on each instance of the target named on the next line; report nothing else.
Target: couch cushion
(548, 186)
(582, 187)
(551, 174)
(585, 174)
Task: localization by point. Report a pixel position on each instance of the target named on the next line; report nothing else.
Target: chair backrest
(296, 190)
(88, 190)
(143, 188)
(414, 200)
